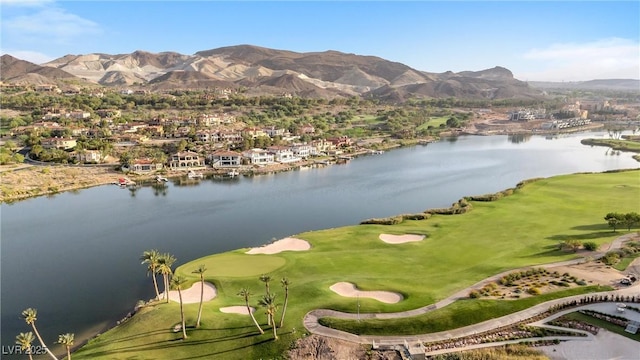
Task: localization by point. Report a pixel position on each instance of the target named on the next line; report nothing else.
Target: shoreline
(79, 177)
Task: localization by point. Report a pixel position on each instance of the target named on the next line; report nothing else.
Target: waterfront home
(225, 158)
(301, 150)
(185, 160)
(259, 157)
(282, 154)
(340, 142)
(145, 165)
(59, 143)
(322, 146)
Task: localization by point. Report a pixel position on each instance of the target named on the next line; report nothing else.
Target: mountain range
(261, 70)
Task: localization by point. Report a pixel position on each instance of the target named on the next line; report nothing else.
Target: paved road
(311, 318)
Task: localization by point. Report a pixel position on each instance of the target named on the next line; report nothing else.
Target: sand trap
(286, 244)
(242, 310)
(349, 290)
(399, 239)
(192, 294)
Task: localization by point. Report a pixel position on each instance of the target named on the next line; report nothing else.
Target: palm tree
(269, 303)
(285, 283)
(152, 257)
(67, 341)
(30, 315)
(177, 282)
(265, 279)
(25, 340)
(245, 295)
(166, 260)
(200, 270)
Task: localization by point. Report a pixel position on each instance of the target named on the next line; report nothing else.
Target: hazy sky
(541, 40)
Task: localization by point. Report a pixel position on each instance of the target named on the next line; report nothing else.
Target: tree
(245, 294)
(285, 284)
(572, 245)
(631, 219)
(614, 219)
(30, 316)
(67, 341)
(266, 279)
(152, 259)
(25, 340)
(177, 282)
(200, 271)
(165, 261)
(268, 302)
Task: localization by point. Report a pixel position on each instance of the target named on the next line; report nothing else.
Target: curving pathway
(312, 325)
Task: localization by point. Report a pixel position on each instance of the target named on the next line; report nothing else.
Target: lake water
(75, 256)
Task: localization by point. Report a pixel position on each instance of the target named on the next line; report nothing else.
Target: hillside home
(253, 132)
(307, 129)
(258, 156)
(88, 156)
(109, 113)
(230, 137)
(225, 158)
(185, 160)
(48, 88)
(340, 142)
(79, 114)
(59, 143)
(272, 131)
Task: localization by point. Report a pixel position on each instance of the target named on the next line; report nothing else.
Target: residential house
(253, 132)
(258, 156)
(272, 131)
(185, 160)
(48, 88)
(322, 146)
(145, 165)
(89, 156)
(230, 137)
(301, 150)
(208, 120)
(307, 129)
(340, 142)
(225, 158)
(79, 114)
(59, 143)
(109, 113)
(282, 154)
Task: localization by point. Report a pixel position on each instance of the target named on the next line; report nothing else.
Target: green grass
(622, 145)
(519, 230)
(603, 324)
(625, 261)
(459, 314)
(434, 122)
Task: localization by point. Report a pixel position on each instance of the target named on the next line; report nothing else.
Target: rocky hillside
(18, 71)
(268, 71)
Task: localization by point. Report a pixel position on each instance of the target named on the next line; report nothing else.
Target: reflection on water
(519, 138)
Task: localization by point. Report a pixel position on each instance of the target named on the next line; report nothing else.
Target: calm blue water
(74, 256)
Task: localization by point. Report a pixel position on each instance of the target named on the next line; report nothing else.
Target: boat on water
(161, 179)
(123, 182)
(233, 173)
(194, 175)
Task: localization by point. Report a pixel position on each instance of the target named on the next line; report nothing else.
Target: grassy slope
(519, 230)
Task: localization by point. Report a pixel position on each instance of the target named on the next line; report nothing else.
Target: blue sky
(541, 40)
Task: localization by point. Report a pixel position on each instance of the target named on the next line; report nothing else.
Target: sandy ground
(349, 290)
(593, 272)
(605, 345)
(192, 294)
(399, 239)
(242, 310)
(286, 244)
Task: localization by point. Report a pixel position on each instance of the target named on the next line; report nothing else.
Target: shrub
(590, 245)
(474, 294)
(418, 216)
(383, 221)
(534, 291)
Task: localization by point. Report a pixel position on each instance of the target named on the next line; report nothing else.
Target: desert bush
(534, 291)
(590, 245)
(418, 216)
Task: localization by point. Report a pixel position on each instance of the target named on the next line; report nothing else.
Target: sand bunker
(242, 310)
(286, 244)
(399, 239)
(192, 294)
(349, 290)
